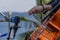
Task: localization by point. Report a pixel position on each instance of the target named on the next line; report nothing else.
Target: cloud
(16, 5)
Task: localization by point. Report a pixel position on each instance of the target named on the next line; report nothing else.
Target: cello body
(52, 32)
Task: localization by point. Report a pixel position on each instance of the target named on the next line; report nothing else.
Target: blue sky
(17, 5)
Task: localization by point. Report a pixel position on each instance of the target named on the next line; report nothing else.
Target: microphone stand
(16, 21)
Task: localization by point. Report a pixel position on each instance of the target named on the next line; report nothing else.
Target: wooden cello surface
(56, 20)
(52, 32)
(54, 25)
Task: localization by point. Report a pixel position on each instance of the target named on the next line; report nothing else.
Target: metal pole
(10, 28)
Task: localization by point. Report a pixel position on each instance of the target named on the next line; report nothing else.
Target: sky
(17, 5)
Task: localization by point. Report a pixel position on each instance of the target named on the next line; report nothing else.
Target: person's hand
(39, 9)
(35, 10)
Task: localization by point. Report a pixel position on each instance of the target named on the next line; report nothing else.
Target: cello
(50, 28)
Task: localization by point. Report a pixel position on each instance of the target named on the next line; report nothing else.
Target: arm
(41, 8)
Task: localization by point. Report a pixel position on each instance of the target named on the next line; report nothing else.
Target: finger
(31, 12)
